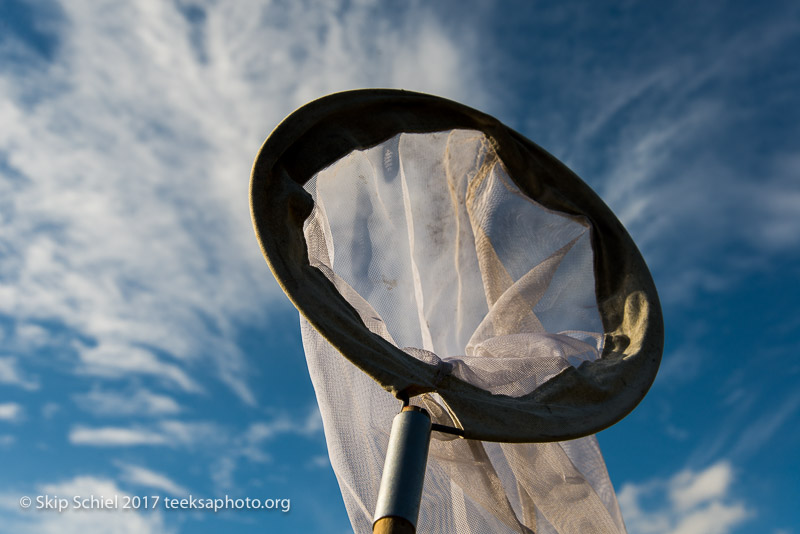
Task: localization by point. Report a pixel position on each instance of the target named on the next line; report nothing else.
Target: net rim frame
(576, 402)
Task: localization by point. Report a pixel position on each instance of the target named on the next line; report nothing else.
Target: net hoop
(576, 402)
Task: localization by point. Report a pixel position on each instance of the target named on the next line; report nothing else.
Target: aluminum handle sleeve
(404, 470)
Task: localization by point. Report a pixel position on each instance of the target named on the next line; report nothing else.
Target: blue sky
(146, 350)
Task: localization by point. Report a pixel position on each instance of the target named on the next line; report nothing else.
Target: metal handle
(403, 473)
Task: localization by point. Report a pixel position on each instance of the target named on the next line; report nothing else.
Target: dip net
(439, 257)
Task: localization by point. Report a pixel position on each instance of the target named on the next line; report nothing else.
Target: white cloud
(687, 503)
(715, 518)
(114, 360)
(284, 424)
(71, 521)
(31, 335)
(165, 433)
(115, 437)
(139, 402)
(10, 411)
(141, 476)
(319, 461)
(194, 433)
(10, 374)
(688, 490)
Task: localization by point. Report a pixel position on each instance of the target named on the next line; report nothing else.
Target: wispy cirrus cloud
(763, 428)
(142, 477)
(664, 131)
(139, 402)
(224, 446)
(128, 265)
(125, 159)
(179, 433)
(252, 444)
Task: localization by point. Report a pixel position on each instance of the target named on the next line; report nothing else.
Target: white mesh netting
(440, 254)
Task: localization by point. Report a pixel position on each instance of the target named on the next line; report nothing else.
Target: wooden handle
(393, 525)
